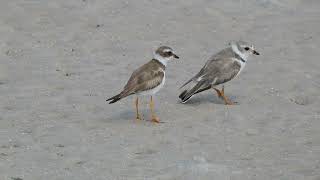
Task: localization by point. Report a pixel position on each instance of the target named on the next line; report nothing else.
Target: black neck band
(239, 57)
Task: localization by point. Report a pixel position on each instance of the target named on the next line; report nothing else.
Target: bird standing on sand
(219, 69)
(147, 80)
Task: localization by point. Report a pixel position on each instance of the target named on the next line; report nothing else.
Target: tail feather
(183, 94)
(186, 83)
(187, 94)
(114, 98)
(203, 89)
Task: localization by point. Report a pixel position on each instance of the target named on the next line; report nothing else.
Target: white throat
(161, 59)
(237, 51)
(242, 55)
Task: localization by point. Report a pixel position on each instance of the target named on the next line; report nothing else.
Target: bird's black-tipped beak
(175, 56)
(255, 52)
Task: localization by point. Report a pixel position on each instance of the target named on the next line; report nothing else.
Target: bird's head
(164, 54)
(243, 49)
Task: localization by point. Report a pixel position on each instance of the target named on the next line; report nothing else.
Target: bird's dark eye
(169, 53)
(246, 48)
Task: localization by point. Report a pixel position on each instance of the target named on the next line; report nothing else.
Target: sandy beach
(60, 60)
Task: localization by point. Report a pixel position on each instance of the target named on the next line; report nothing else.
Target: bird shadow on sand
(123, 115)
(207, 99)
(129, 115)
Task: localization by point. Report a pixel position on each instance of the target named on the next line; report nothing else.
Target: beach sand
(60, 60)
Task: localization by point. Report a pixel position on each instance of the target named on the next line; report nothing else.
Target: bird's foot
(228, 102)
(221, 95)
(155, 119)
(139, 118)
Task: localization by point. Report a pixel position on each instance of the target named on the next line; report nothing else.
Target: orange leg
(154, 118)
(221, 95)
(138, 117)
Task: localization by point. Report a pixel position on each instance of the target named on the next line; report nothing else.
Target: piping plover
(147, 80)
(219, 69)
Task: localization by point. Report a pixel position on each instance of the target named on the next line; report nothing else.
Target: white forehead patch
(167, 50)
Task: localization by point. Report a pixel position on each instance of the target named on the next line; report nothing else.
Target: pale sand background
(58, 67)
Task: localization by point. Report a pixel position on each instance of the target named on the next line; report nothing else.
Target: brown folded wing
(147, 77)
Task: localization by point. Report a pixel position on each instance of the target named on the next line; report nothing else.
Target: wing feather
(216, 71)
(144, 78)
